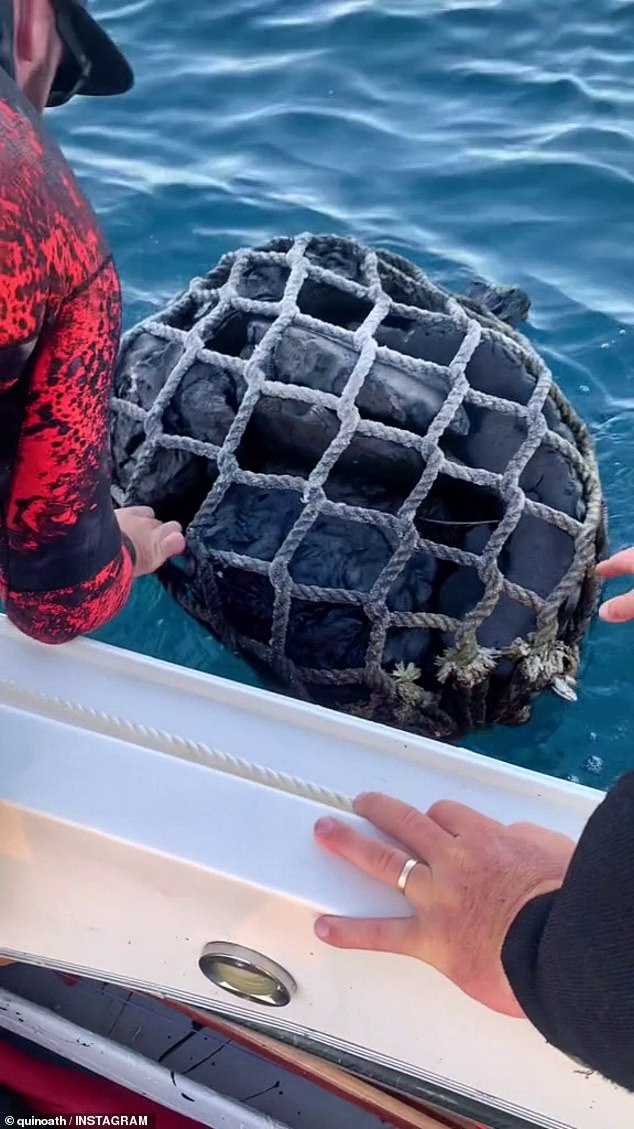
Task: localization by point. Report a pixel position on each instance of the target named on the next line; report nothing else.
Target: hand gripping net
(391, 507)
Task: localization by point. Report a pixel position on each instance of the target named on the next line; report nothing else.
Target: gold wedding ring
(408, 867)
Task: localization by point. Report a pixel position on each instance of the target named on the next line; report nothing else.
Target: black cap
(92, 64)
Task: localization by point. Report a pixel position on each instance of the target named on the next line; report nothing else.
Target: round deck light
(247, 974)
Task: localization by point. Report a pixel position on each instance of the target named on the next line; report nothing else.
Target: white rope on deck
(160, 741)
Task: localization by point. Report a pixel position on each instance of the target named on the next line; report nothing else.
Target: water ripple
(474, 136)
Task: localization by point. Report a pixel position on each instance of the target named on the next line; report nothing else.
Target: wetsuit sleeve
(569, 956)
(67, 569)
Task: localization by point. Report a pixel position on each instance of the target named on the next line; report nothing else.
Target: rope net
(390, 506)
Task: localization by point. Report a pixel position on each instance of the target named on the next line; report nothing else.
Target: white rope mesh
(307, 338)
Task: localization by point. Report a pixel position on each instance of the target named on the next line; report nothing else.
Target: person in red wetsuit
(67, 558)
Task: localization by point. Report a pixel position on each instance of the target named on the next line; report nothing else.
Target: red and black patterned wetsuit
(64, 569)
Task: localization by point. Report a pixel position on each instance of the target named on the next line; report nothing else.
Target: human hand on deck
(619, 609)
(471, 877)
(154, 541)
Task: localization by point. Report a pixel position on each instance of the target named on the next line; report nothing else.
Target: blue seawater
(488, 137)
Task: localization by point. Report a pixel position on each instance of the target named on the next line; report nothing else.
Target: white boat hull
(123, 863)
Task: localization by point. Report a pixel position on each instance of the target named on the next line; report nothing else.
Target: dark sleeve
(66, 569)
(569, 956)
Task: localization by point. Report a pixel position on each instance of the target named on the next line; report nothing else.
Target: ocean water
(477, 137)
